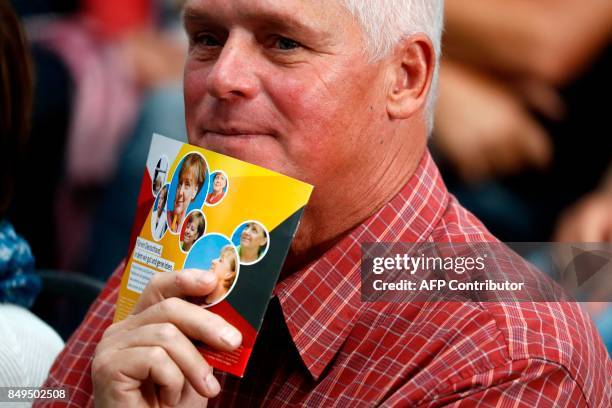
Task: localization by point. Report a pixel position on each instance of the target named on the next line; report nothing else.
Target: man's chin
(256, 149)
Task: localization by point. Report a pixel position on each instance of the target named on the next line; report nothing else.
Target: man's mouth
(236, 136)
(241, 142)
(237, 131)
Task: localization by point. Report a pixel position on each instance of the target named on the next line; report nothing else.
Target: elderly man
(336, 93)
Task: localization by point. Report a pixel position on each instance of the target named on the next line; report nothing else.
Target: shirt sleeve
(72, 368)
(520, 384)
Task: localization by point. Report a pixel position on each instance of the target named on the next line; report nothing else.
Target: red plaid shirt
(321, 346)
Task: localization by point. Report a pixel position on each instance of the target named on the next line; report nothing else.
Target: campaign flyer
(200, 209)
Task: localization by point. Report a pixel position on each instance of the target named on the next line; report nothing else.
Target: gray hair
(385, 22)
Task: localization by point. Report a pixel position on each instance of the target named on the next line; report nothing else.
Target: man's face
(283, 84)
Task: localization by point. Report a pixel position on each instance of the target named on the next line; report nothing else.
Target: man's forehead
(319, 12)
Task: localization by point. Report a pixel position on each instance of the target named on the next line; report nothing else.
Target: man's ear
(413, 64)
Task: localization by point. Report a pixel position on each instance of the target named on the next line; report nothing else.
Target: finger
(196, 322)
(535, 144)
(513, 148)
(173, 341)
(592, 224)
(608, 230)
(543, 98)
(142, 363)
(191, 398)
(164, 285)
(565, 231)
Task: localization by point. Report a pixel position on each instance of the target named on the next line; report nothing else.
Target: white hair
(386, 22)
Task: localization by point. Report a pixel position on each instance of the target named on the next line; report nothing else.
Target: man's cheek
(195, 76)
(293, 94)
(194, 90)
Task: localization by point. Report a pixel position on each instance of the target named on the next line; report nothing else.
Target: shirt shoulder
(457, 224)
(560, 334)
(503, 340)
(471, 352)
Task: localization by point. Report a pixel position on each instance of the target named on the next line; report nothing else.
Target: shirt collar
(322, 302)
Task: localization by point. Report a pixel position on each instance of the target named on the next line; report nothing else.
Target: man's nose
(233, 74)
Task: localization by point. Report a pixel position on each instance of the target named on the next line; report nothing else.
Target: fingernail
(231, 337)
(206, 277)
(212, 384)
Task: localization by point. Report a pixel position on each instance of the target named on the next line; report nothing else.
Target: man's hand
(483, 129)
(148, 359)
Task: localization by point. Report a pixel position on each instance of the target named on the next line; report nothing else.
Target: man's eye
(207, 40)
(286, 44)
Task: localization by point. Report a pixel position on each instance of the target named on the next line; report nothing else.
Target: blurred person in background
(27, 345)
(108, 74)
(520, 127)
(590, 219)
(118, 66)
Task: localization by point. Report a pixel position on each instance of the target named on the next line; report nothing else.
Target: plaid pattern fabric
(321, 346)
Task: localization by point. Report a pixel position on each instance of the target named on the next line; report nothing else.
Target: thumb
(181, 284)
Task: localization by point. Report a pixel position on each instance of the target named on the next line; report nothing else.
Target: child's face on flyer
(186, 192)
(222, 267)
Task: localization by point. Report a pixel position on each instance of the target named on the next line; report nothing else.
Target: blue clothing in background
(19, 284)
(604, 325)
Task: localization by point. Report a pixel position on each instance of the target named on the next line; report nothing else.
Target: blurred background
(522, 135)
(107, 74)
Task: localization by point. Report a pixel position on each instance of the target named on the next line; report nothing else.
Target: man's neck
(325, 225)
